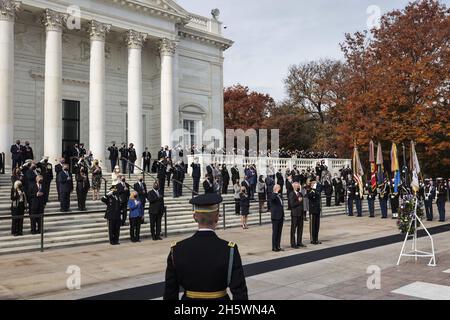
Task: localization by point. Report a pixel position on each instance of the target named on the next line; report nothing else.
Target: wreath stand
(417, 253)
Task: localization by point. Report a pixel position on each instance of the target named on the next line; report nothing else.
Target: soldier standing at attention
(205, 265)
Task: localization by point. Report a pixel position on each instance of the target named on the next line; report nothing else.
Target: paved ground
(105, 268)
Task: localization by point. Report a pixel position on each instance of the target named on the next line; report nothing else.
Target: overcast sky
(271, 35)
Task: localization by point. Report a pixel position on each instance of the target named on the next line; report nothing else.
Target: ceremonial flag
(415, 168)
(373, 168)
(358, 171)
(395, 167)
(380, 164)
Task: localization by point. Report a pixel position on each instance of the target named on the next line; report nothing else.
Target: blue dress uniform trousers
(371, 203)
(429, 209)
(441, 209)
(358, 203)
(350, 206)
(384, 208)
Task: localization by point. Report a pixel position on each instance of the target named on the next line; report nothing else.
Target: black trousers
(35, 222)
(155, 225)
(81, 197)
(161, 181)
(237, 206)
(123, 213)
(277, 228)
(17, 223)
(114, 230)
(225, 189)
(429, 209)
(315, 226)
(296, 227)
(64, 198)
(328, 201)
(135, 228)
(196, 184)
(337, 198)
(113, 164)
(124, 166)
(147, 165)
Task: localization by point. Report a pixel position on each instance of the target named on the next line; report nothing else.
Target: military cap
(206, 203)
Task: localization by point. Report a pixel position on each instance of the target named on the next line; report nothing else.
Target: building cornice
(204, 37)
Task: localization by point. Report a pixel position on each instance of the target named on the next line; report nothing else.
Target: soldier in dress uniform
(313, 194)
(359, 196)
(371, 196)
(47, 174)
(351, 195)
(441, 196)
(383, 197)
(430, 194)
(113, 155)
(338, 190)
(113, 215)
(395, 200)
(205, 265)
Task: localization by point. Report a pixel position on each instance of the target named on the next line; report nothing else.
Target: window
(190, 135)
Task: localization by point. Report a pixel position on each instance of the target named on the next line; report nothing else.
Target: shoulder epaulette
(173, 244)
(231, 244)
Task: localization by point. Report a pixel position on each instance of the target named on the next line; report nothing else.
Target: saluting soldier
(430, 194)
(313, 194)
(113, 215)
(205, 265)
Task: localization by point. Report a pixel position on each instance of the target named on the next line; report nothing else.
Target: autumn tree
(244, 109)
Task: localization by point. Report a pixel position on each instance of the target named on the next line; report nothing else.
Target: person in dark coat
(30, 177)
(383, 198)
(83, 186)
(208, 184)
(58, 168)
(235, 176)
(270, 183)
(132, 157)
(141, 188)
(123, 190)
(47, 174)
(328, 189)
(313, 194)
(27, 152)
(338, 190)
(245, 207)
(280, 181)
(113, 215)
(277, 217)
(124, 157)
(289, 188)
(430, 195)
(37, 204)
(204, 265)
(147, 159)
(18, 206)
(371, 196)
(113, 155)
(225, 179)
(296, 203)
(155, 210)
(196, 175)
(16, 154)
(65, 188)
(161, 174)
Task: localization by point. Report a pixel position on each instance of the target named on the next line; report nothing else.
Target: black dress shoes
(294, 247)
(301, 245)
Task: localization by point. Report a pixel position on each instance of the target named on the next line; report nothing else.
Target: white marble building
(114, 70)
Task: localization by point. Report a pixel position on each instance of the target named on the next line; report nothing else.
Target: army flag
(373, 167)
(379, 163)
(395, 167)
(415, 168)
(358, 171)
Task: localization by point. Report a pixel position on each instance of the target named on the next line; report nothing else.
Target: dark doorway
(70, 124)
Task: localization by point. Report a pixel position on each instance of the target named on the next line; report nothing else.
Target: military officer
(205, 265)
(113, 215)
(371, 196)
(383, 198)
(430, 194)
(313, 194)
(395, 200)
(338, 190)
(351, 194)
(441, 195)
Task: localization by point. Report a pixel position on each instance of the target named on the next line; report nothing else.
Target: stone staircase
(89, 227)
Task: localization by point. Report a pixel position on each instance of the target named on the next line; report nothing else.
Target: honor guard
(430, 194)
(371, 196)
(441, 198)
(395, 200)
(351, 194)
(205, 265)
(383, 197)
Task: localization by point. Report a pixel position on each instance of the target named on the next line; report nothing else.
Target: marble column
(167, 52)
(97, 33)
(7, 14)
(53, 22)
(135, 42)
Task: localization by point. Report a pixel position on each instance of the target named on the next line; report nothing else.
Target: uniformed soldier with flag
(205, 265)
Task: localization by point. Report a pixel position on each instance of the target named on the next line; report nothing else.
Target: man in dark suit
(277, 216)
(196, 174)
(123, 190)
(155, 210)
(124, 157)
(313, 194)
(296, 204)
(113, 155)
(113, 215)
(161, 153)
(65, 182)
(132, 157)
(167, 153)
(146, 159)
(225, 179)
(16, 154)
(37, 206)
(58, 169)
(280, 180)
(30, 177)
(161, 174)
(27, 152)
(204, 265)
(235, 174)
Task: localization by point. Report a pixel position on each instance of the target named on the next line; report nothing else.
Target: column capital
(135, 39)
(53, 20)
(97, 30)
(8, 9)
(167, 47)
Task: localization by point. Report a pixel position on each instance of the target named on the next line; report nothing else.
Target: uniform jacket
(314, 201)
(276, 207)
(113, 210)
